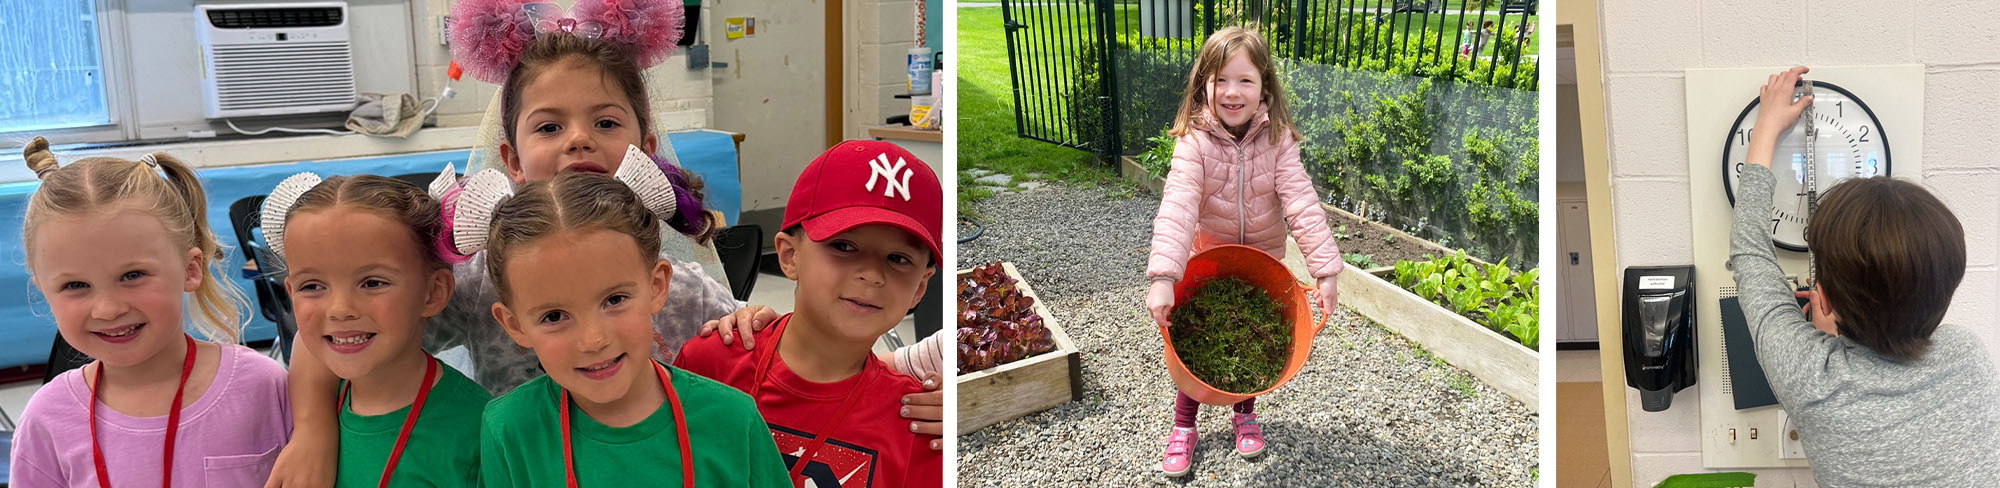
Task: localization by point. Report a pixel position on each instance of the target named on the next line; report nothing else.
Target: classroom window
(51, 70)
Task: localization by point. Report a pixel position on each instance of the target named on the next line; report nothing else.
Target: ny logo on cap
(880, 168)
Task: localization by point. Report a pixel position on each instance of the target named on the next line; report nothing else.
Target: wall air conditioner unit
(275, 58)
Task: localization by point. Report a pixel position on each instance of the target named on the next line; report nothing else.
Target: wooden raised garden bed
(1129, 169)
(1033, 384)
(1495, 359)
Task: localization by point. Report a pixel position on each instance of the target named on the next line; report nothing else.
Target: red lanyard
(173, 421)
(680, 427)
(409, 420)
(826, 431)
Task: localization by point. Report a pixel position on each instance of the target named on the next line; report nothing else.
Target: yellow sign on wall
(739, 27)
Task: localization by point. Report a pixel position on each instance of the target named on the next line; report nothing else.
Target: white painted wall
(879, 34)
(1647, 44)
(774, 92)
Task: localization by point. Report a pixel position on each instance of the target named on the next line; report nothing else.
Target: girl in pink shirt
(118, 248)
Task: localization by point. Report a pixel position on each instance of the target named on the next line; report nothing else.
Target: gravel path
(1368, 410)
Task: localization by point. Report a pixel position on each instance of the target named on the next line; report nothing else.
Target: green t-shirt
(439, 452)
(520, 443)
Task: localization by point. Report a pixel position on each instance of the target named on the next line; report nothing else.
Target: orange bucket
(1264, 272)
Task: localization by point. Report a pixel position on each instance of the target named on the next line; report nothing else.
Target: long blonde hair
(101, 183)
(1215, 53)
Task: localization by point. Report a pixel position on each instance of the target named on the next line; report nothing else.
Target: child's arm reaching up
(1173, 228)
(311, 457)
(1769, 307)
(1308, 224)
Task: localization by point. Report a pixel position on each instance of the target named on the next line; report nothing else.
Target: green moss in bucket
(1231, 335)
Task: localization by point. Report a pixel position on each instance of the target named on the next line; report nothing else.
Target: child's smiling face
(360, 287)
(584, 301)
(114, 282)
(1235, 91)
(857, 284)
(573, 117)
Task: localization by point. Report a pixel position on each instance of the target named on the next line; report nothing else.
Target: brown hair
(110, 184)
(616, 62)
(1890, 255)
(1215, 53)
(397, 199)
(571, 201)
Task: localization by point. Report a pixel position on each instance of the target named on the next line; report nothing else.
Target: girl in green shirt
(363, 274)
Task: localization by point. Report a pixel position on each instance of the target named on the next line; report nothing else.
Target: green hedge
(1444, 158)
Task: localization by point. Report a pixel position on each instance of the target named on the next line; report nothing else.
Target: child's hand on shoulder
(1775, 111)
(746, 321)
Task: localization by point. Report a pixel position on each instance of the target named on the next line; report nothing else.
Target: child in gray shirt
(1882, 394)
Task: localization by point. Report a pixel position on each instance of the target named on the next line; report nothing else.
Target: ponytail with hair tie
(39, 158)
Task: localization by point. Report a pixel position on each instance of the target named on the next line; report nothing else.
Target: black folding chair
(62, 357)
(245, 216)
(739, 247)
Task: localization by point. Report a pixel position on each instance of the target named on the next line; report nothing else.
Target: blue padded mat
(713, 156)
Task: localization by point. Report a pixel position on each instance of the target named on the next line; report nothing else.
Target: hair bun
(38, 157)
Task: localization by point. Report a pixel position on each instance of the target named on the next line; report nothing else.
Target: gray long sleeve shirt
(1865, 420)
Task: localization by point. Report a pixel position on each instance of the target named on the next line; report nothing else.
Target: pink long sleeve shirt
(229, 437)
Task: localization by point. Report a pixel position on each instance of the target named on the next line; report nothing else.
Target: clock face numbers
(1849, 144)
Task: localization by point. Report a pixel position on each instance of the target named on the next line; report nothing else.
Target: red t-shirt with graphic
(871, 447)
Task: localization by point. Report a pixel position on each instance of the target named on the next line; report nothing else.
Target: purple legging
(1185, 408)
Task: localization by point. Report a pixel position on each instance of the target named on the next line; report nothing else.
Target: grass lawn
(986, 132)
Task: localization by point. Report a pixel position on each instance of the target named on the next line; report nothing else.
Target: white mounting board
(1714, 98)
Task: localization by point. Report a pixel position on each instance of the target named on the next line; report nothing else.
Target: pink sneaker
(1249, 436)
(1180, 452)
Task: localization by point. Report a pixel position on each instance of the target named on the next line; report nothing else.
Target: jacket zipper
(1241, 222)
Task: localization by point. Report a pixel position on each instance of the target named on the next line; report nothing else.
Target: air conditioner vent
(263, 18)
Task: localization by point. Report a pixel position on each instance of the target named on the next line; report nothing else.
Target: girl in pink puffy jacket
(1236, 179)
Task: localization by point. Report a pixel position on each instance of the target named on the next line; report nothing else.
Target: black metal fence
(1413, 113)
(1065, 55)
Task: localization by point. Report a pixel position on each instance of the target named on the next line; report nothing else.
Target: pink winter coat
(1222, 192)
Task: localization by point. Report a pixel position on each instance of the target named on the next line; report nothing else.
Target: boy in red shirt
(860, 237)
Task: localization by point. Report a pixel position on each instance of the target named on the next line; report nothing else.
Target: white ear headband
(472, 214)
(279, 203)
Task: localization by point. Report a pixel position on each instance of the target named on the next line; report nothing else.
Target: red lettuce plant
(997, 324)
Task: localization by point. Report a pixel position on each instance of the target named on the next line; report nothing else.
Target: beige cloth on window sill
(384, 115)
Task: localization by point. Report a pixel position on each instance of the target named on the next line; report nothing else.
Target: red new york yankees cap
(867, 182)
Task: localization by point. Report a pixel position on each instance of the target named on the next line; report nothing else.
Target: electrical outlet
(1789, 445)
